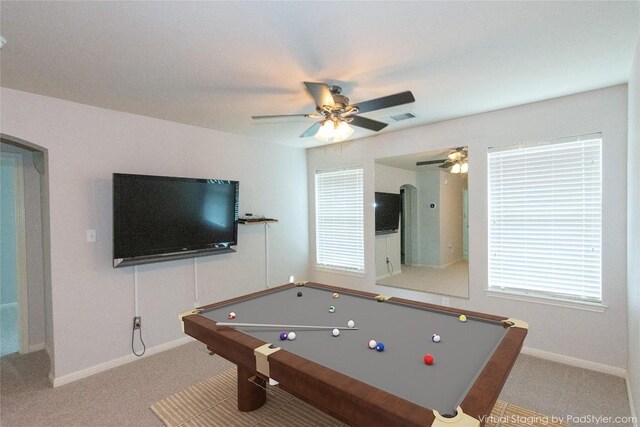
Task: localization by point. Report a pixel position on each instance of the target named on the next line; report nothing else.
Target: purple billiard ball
(283, 336)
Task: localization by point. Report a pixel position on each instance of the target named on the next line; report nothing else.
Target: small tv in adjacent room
(161, 218)
(387, 212)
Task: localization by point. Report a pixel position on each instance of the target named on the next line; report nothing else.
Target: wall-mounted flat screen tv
(159, 218)
(387, 212)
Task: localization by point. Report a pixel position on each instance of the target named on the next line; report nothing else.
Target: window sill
(340, 271)
(558, 302)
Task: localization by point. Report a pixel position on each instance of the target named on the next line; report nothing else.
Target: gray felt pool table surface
(405, 330)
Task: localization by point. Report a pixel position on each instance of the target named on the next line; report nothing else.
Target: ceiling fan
(336, 113)
(456, 160)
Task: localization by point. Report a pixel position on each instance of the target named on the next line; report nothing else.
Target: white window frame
(340, 244)
(537, 271)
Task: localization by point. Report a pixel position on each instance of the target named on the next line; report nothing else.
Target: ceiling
(409, 161)
(214, 64)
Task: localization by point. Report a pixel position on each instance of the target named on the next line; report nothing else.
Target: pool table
(345, 378)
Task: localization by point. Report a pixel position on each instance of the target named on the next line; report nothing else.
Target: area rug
(212, 403)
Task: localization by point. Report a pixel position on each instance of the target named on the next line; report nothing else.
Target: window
(339, 219)
(545, 218)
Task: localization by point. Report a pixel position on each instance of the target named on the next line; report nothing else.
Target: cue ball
(462, 318)
(380, 346)
(428, 359)
(299, 294)
(335, 332)
(435, 338)
(336, 295)
(283, 336)
(351, 324)
(232, 315)
(372, 344)
(291, 336)
(332, 309)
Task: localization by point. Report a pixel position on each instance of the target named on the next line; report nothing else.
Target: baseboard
(631, 401)
(84, 373)
(386, 276)
(36, 347)
(578, 363)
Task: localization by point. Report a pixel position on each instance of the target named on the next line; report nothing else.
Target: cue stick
(267, 325)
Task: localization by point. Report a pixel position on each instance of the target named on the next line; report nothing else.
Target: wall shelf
(257, 221)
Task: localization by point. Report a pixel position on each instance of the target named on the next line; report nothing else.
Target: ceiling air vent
(401, 117)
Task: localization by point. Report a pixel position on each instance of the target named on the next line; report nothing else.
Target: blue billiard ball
(380, 346)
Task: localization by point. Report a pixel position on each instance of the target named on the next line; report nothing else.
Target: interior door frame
(21, 248)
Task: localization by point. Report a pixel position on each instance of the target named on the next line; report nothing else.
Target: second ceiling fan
(336, 112)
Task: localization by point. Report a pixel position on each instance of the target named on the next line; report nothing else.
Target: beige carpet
(212, 403)
(451, 281)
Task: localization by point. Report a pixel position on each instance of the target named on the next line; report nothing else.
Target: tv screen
(158, 218)
(387, 213)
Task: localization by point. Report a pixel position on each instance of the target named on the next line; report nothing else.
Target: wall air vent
(401, 117)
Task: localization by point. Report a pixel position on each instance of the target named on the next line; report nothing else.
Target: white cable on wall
(266, 255)
(135, 291)
(196, 302)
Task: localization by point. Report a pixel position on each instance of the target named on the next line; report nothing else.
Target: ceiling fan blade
(320, 93)
(363, 122)
(277, 116)
(385, 102)
(429, 162)
(311, 131)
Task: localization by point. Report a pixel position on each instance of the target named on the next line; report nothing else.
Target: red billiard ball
(428, 359)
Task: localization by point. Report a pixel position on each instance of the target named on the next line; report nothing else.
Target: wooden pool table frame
(347, 399)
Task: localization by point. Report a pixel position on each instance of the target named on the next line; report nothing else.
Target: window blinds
(545, 218)
(339, 219)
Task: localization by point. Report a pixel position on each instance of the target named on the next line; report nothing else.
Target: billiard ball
(372, 344)
(291, 336)
(232, 315)
(299, 293)
(283, 336)
(332, 309)
(351, 324)
(336, 295)
(435, 338)
(462, 318)
(335, 332)
(380, 346)
(428, 359)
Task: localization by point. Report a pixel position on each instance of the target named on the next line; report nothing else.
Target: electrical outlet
(137, 322)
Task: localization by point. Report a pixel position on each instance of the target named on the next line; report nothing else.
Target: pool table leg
(252, 391)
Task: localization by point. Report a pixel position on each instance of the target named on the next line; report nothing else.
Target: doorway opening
(25, 294)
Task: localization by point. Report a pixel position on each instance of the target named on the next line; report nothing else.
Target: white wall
(451, 210)
(428, 232)
(600, 338)
(633, 212)
(92, 303)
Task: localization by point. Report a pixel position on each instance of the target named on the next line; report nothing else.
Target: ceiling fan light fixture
(331, 131)
(456, 168)
(454, 155)
(464, 168)
(325, 133)
(342, 131)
